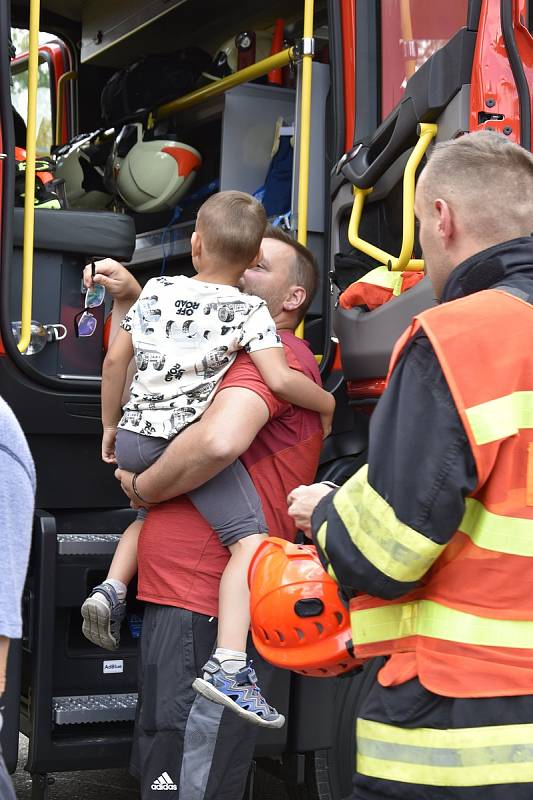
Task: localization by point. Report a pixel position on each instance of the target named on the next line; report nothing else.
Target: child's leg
(104, 610)
(230, 504)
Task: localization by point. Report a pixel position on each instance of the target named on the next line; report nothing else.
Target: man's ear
(256, 259)
(445, 222)
(196, 244)
(296, 297)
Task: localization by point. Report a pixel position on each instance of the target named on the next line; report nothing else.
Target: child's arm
(292, 386)
(114, 372)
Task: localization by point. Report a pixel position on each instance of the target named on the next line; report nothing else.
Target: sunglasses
(84, 322)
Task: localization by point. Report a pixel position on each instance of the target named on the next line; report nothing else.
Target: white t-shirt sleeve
(259, 331)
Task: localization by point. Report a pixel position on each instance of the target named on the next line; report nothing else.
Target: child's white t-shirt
(186, 335)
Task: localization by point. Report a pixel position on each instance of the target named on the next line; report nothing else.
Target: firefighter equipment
(81, 163)
(155, 174)
(298, 619)
(241, 51)
(426, 133)
(378, 287)
(470, 624)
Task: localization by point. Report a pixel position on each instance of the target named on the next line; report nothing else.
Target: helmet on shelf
(226, 61)
(81, 164)
(299, 621)
(153, 175)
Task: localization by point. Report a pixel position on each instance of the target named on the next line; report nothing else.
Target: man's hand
(120, 283)
(302, 501)
(126, 483)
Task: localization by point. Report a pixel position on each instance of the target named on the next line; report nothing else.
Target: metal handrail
(67, 76)
(224, 84)
(305, 131)
(29, 186)
(403, 262)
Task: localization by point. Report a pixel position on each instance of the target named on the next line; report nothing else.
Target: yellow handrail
(305, 134)
(67, 76)
(404, 262)
(224, 84)
(29, 186)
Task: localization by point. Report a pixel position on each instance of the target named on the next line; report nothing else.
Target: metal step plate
(87, 544)
(84, 708)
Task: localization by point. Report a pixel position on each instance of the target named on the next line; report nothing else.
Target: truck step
(85, 708)
(87, 544)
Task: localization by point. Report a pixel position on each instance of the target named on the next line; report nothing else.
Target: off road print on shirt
(185, 336)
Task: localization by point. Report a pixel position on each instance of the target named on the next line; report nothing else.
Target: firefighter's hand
(126, 483)
(108, 445)
(120, 283)
(302, 501)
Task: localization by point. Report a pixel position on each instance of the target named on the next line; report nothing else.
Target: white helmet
(84, 180)
(154, 175)
(228, 52)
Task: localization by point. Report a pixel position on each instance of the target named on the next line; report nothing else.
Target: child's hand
(327, 418)
(108, 445)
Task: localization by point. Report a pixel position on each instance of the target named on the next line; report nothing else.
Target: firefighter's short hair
(232, 225)
(489, 179)
(304, 266)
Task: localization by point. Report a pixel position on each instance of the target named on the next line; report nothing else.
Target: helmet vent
(280, 636)
(299, 633)
(309, 607)
(339, 617)
(265, 634)
(319, 627)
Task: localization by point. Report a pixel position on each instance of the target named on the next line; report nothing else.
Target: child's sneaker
(238, 692)
(103, 613)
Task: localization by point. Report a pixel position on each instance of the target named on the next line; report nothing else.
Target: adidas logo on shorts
(164, 784)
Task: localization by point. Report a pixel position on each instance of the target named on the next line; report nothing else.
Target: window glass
(19, 89)
(411, 31)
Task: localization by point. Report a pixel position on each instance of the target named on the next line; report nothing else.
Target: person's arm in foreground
(114, 375)
(384, 528)
(293, 386)
(204, 449)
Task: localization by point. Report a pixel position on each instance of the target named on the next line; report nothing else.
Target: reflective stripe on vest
(391, 546)
(501, 418)
(462, 757)
(426, 618)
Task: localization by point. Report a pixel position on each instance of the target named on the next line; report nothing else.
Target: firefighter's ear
(295, 298)
(445, 221)
(196, 245)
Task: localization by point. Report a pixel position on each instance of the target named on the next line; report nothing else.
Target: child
(184, 334)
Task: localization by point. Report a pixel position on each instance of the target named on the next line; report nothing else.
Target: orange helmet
(298, 619)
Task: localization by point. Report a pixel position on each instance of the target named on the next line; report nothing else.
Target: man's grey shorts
(229, 501)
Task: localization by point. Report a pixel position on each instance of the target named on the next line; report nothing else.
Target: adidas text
(164, 784)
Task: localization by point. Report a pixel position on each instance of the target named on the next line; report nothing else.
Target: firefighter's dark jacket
(419, 459)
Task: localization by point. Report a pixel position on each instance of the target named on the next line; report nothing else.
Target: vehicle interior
(389, 79)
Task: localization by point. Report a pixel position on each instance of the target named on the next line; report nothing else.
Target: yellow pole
(29, 187)
(305, 134)
(224, 84)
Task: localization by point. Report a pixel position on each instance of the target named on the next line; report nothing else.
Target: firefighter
(433, 539)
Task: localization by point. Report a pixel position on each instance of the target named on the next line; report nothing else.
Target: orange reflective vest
(469, 626)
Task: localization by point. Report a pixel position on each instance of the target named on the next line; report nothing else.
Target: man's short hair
(304, 267)
(232, 225)
(488, 179)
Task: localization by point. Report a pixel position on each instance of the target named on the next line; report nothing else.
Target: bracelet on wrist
(135, 492)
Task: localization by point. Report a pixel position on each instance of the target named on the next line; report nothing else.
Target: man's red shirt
(180, 557)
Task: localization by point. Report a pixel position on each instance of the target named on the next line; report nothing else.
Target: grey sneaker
(103, 614)
(240, 693)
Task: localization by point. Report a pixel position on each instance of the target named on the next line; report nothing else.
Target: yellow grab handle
(256, 70)
(404, 262)
(305, 135)
(29, 186)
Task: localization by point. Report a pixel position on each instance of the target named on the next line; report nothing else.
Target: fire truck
(354, 93)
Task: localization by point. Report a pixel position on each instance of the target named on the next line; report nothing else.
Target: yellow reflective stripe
(500, 418)
(321, 541)
(382, 276)
(426, 618)
(460, 757)
(392, 547)
(513, 535)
